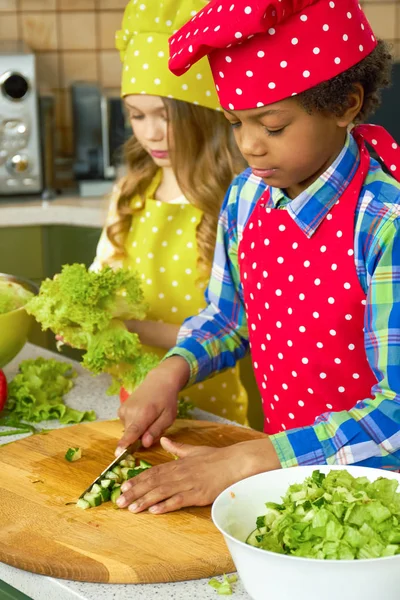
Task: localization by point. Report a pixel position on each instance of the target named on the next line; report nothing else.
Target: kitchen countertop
(89, 394)
(63, 210)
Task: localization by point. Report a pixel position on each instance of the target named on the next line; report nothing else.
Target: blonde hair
(205, 160)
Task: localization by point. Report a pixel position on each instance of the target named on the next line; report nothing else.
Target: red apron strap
(386, 147)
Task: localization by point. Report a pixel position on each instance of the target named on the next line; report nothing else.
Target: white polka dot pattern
(143, 45)
(310, 42)
(306, 333)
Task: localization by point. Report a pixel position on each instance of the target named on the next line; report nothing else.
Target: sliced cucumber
(115, 494)
(73, 454)
(93, 499)
(127, 463)
(111, 475)
(117, 470)
(105, 483)
(105, 494)
(125, 473)
(252, 539)
(109, 487)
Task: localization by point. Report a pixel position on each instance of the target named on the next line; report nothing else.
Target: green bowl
(16, 324)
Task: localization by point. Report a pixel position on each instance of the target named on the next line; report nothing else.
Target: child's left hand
(196, 479)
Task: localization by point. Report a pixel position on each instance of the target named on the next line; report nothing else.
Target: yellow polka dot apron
(161, 247)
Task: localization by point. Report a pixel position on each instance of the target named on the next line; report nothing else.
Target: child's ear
(354, 105)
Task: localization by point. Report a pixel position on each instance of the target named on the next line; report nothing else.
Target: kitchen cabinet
(68, 244)
(9, 593)
(21, 252)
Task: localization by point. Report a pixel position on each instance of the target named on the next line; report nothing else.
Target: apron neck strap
(385, 146)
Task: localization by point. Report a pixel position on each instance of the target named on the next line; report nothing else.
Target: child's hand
(152, 407)
(196, 479)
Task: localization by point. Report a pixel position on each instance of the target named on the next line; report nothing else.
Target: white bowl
(270, 576)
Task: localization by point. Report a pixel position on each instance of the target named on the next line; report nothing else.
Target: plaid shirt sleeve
(216, 338)
(369, 433)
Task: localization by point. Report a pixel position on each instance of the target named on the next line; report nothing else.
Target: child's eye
(234, 125)
(136, 117)
(273, 132)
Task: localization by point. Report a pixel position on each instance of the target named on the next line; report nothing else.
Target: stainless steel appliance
(100, 130)
(20, 155)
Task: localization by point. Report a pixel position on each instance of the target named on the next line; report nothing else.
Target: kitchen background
(74, 40)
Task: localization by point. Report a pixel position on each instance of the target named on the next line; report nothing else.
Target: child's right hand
(152, 407)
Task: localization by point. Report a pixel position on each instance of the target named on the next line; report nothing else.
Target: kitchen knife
(130, 450)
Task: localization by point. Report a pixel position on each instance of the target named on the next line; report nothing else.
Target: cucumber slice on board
(93, 499)
(105, 494)
(115, 494)
(73, 454)
(106, 483)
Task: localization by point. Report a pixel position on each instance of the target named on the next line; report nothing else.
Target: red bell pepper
(123, 395)
(3, 390)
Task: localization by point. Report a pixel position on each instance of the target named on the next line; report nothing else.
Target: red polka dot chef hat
(264, 51)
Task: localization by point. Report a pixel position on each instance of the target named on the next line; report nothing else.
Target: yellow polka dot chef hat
(143, 45)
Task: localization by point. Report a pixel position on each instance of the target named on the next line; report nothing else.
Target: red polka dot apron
(305, 308)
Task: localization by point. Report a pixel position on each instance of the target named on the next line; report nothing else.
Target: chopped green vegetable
(10, 420)
(12, 296)
(108, 488)
(105, 494)
(88, 310)
(93, 499)
(224, 587)
(334, 517)
(127, 463)
(115, 494)
(83, 504)
(36, 393)
(112, 475)
(184, 409)
(73, 454)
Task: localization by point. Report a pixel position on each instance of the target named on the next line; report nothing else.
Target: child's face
(285, 146)
(149, 120)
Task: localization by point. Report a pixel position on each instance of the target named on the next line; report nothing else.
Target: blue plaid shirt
(369, 433)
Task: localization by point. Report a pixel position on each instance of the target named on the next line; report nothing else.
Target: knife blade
(130, 450)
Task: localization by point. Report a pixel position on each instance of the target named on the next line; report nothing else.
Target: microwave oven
(20, 152)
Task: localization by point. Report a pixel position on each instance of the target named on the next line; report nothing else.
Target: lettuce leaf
(333, 517)
(37, 394)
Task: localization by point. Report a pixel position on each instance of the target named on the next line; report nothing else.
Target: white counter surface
(88, 394)
(63, 210)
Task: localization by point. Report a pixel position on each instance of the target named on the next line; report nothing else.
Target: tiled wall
(74, 39)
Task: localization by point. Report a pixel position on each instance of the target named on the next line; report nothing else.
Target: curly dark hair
(332, 96)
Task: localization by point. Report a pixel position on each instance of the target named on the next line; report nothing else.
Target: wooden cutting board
(39, 532)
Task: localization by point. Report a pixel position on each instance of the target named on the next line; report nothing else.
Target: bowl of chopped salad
(15, 323)
(313, 533)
